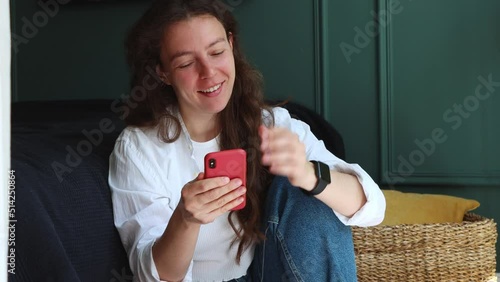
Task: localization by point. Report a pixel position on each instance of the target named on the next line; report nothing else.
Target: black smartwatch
(322, 172)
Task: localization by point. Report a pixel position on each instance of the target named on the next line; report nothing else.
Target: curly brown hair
(239, 121)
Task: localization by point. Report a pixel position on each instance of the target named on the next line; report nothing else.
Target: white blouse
(146, 176)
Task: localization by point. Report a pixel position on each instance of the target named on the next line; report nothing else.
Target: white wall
(5, 128)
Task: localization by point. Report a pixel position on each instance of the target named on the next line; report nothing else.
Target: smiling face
(197, 61)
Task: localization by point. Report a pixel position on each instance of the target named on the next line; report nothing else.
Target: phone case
(231, 163)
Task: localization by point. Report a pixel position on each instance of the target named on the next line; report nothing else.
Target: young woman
(176, 225)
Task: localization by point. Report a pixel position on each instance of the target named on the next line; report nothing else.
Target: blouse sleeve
(372, 213)
(141, 207)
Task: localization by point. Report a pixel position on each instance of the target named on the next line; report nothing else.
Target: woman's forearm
(344, 194)
(173, 251)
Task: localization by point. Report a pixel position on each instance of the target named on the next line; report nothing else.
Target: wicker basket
(427, 252)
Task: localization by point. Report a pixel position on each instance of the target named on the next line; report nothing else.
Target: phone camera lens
(211, 163)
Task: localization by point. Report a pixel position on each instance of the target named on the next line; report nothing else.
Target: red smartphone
(231, 163)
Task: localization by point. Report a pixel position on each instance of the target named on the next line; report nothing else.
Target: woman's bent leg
(305, 240)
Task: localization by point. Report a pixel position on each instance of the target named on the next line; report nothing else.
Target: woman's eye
(183, 66)
(218, 53)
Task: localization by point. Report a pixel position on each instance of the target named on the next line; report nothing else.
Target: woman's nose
(207, 70)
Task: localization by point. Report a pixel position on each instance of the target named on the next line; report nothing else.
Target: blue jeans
(305, 241)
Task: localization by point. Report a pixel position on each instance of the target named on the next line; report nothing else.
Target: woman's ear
(162, 75)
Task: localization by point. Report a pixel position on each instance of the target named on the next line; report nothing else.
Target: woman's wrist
(308, 179)
(180, 218)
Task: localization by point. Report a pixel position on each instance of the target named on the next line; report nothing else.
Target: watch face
(324, 173)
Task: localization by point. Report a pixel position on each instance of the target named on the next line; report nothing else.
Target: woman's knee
(297, 214)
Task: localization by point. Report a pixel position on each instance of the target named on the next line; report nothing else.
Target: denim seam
(288, 257)
(273, 220)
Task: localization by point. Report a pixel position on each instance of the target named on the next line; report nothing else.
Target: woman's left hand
(285, 155)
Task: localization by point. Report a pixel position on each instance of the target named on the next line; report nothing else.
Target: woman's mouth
(212, 91)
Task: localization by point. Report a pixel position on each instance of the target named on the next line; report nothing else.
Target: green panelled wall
(441, 93)
(386, 90)
(283, 49)
(391, 87)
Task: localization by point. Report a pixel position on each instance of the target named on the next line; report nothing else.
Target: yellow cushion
(414, 208)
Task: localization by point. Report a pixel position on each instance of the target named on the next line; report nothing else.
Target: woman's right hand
(203, 200)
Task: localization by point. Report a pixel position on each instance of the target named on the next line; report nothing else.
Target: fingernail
(225, 180)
